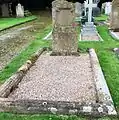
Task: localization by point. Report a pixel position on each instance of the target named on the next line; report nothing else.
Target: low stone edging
(103, 93)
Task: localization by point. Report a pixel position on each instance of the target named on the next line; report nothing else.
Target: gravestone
(19, 10)
(108, 7)
(114, 19)
(5, 10)
(96, 11)
(65, 40)
(88, 31)
(90, 6)
(85, 6)
(78, 9)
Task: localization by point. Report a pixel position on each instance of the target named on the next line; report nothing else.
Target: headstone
(65, 40)
(78, 9)
(19, 10)
(96, 11)
(5, 10)
(114, 19)
(108, 7)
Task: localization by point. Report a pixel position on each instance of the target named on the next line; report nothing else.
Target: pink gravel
(58, 78)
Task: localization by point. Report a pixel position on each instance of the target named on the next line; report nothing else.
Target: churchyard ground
(108, 60)
(17, 38)
(10, 22)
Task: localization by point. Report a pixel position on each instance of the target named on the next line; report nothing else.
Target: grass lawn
(108, 60)
(101, 18)
(9, 22)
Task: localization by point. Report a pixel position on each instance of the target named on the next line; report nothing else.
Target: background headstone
(20, 10)
(78, 9)
(96, 11)
(108, 8)
(65, 40)
(114, 19)
(5, 10)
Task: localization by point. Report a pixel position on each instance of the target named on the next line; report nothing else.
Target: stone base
(65, 54)
(89, 33)
(59, 85)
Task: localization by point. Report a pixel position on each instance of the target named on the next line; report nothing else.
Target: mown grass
(24, 55)
(9, 22)
(108, 61)
(101, 18)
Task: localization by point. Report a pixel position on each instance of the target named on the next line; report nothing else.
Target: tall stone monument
(114, 17)
(65, 40)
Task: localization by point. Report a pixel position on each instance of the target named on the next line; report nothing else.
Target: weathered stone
(87, 109)
(114, 22)
(64, 34)
(78, 9)
(5, 10)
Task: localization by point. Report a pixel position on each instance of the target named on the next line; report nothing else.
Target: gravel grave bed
(58, 78)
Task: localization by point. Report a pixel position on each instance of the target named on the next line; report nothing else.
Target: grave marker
(5, 10)
(114, 24)
(64, 34)
(108, 7)
(19, 10)
(90, 7)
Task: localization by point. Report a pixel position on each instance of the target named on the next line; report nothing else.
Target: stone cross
(64, 35)
(85, 6)
(90, 7)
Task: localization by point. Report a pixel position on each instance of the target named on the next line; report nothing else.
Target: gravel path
(58, 78)
(13, 34)
(15, 39)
